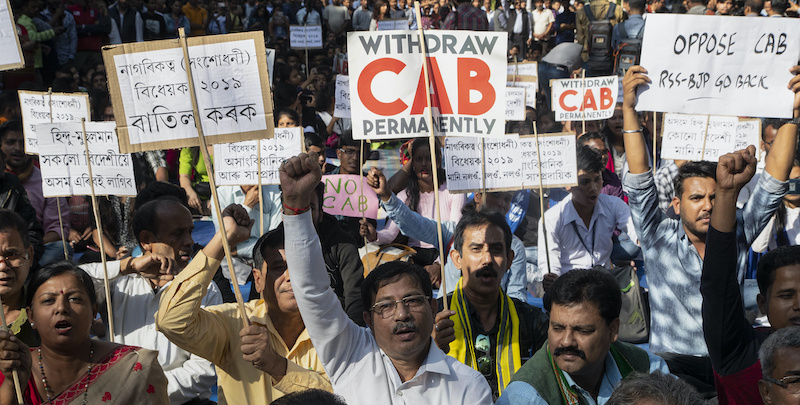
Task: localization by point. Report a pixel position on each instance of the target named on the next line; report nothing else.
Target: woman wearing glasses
(16, 257)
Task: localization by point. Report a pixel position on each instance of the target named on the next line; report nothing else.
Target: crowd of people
(650, 281)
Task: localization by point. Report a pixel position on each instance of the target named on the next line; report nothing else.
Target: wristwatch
(795, 121)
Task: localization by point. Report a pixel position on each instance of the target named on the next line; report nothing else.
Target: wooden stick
(100, 234)
(655, 131)
(541, 198)
(212, 183)
(260, 195)
(361, 187)
(14, 373)
(58, 204)
(483, 171)
(583, 111)
(705, 138)
(432, 147)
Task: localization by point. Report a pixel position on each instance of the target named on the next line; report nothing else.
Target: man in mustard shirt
(255, 364)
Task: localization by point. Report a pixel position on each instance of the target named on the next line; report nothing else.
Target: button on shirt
(359, 370)
(590, 246)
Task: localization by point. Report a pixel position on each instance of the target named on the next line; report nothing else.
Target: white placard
(305, 36)
(559, 160)
(463, 163)
(515, 104)
(35, 107)
(62, 159)
(10, 49)
(683, 136)
(748, 132)
(524, 75)
(719, 65)
(236, 164)
(388, 97)
(341, 108)
(395, 24)
(720, 137)
(529, 69)
(591, 98)
(686, 136)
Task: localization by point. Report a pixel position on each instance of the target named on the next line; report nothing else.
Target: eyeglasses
(14, 260)
(790, 383)
(350, 152)
(483, 345)
(387, 309)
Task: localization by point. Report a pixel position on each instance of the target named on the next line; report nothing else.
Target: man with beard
(163, 228)
(675, 249)
(582, 361)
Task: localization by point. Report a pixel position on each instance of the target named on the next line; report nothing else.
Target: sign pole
(260, 195)
(361, 187)
(655, 132)
(212, 182)
(705, 138)
(58, 202)
(14, 373)
(100, 234)
(583, 111)
(541, 197)
(432, 147)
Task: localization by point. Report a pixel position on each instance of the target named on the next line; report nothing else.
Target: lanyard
(591, 253)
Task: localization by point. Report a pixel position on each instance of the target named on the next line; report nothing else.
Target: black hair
(779, 6)
(313, 139)
(472, 218)
(755, 5)
(346, 139)
(63, 85)
(595, 285)
(412, 188)
(589, 159)
(655, 388)
(56, 269)
(585, 138)
(774, 259)
(775, 123)
(8, 99)
(637, 5)
(310, 396)
(160, 189)
(693, 169)
(8, 126)
(289, 113)
(146, 217)
(272, 239)
(11, 220)
(390, 272)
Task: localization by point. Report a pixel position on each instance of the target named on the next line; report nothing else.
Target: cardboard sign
(703, 137)
(515, 104)
(559, 161)
(270, 64)
(343, 196)
(341, 107)
(10, 49)
(524, 75)
(388, 95)
(305, 36)
(62, 157)
(467, 171)
(150, 92)
(236, 164)
(589, 99)
(719, 65)
(393, 24)
(35, 106)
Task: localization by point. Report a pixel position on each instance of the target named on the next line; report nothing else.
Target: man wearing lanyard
(579, 228)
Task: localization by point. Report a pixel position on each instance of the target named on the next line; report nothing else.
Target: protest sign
(341, 107)
(36, 107)
(515, 104)
(559, 161)
(465, 70)
(305, 36)
(467, 172)
(343, 196)
(703, 137)
(10, 49)
(236, 164)
(524, 75)
(270, 64)
(150, 91)
(62, 158)
(393, 24)
(586, 99)
(340, 64)
(719, 65)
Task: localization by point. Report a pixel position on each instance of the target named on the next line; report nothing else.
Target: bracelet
(631, 131)
(297, 211)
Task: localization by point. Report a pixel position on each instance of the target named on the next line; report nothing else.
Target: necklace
(88, 375)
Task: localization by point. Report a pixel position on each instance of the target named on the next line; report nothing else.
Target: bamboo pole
(541, 197)
(260, 195)
(14, 373)
(58, 203)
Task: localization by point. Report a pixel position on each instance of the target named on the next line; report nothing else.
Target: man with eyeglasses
(780, 367)
(16, 258)
(394, 360)
(350, 162)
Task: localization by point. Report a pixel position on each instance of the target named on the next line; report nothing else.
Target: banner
(343, 196)
(719, 65)
(388, 94)
(703, 137)
(36, 107)
(341, 107)
(236, 164)
(62, 159)
(305, 36)
(524, 75)
(10, 49)
(150, 91)
(589, 99)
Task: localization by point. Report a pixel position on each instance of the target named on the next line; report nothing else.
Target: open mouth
(63, 327)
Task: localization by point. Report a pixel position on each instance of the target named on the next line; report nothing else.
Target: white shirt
(567, 250)
(766, 239)
(359, 370)
(518, 22)
(134, 310)
(541, 19)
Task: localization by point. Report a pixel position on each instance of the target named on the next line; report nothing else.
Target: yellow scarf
(507, 354)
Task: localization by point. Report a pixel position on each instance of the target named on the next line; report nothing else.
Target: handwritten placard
(393, 24)
(703, 137)
(35, 106)
(270, 64)
(305, 36)
(748, 132)
(341, 108)
(467, 171)
(62, 157)
(589, 99)
(236, 164)
(524, 75)
(719, 65)
(558, 157)
(150, 91)
(10, 49)
(515, 104)
(344, 196)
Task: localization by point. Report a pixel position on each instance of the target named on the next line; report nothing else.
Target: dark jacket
(14, 197)
(344, 266)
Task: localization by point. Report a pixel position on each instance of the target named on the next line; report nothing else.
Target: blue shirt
(522, 393)
(633, 24)
(674, 267)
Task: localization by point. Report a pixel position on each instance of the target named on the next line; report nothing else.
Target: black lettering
(781, 44)
(680, 39)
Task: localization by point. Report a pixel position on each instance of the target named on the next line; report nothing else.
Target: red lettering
(605, 98)
(479, 83)
(564, 96)
(588, 101)
(439, 98)
(365, 87)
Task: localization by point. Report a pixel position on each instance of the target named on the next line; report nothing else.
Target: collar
(435, 362)
(610, 375)
(258, 314)
(571, 214)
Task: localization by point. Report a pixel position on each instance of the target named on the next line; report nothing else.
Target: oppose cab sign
(387, 88)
